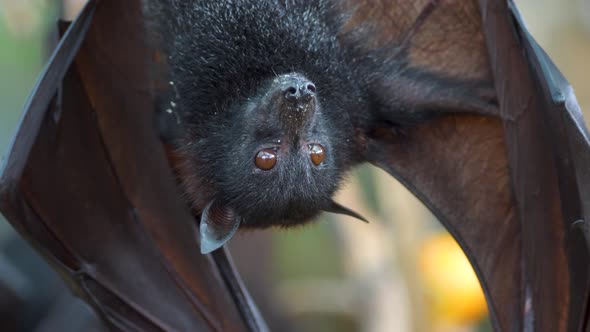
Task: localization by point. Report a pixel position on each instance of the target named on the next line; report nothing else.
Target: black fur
(223, 56)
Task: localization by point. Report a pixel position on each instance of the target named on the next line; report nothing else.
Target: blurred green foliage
(299, 246)
(21, 61)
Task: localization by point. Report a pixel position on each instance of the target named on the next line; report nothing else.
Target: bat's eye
(317, 153)
(266, 159)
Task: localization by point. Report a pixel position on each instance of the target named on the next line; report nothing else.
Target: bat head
(282, 165)
(266, 96)
(277, 160)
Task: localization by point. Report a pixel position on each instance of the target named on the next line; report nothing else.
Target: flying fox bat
(267, 104)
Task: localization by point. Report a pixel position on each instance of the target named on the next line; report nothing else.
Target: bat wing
(504, 169)
(87, 182)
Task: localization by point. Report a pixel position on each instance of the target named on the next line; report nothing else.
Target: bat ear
(218, 225)
(337, 208)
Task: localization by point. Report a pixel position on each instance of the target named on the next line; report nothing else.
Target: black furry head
(256, 76)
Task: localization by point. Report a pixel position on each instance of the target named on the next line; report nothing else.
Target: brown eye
(317, 153)
(266, 159)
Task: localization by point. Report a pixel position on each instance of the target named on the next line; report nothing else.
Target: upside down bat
(271, 102)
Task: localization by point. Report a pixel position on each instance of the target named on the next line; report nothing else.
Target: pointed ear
(218, 224)
(337, 208)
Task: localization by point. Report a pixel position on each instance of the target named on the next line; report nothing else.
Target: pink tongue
(218, 225)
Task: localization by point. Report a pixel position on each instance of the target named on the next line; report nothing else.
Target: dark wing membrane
(549, 151)
(44, 91)
(456, 163)
(457, 166)
(439, 36)
(87, 182)
(435, 50)
(510, 185)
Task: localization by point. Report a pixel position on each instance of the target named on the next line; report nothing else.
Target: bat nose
(298, 89)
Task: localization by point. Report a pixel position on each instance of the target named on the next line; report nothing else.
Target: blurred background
(402, 272)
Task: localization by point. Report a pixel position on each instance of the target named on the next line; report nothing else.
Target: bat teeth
(218, 225)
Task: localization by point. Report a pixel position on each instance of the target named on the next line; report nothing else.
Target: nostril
(291, 93)
(297, 89)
